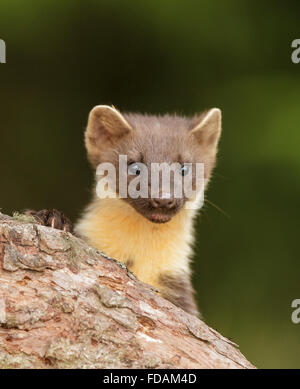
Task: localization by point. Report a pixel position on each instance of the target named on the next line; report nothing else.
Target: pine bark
(64, 304)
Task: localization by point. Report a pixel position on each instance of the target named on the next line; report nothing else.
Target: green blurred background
(64, 57)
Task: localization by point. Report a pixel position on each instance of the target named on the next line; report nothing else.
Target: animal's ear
(208, 129)
(105, 127)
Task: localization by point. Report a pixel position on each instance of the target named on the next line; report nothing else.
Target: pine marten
(152, 236)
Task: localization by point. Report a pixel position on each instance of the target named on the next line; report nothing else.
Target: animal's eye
(185, 170)
(134, 169)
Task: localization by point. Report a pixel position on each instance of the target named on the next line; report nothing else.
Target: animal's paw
(52, 218)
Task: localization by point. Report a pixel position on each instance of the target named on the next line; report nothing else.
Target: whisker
(218, 208)
(220, 175)
(207, 217)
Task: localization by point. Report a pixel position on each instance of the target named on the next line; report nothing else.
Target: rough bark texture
(64, 305)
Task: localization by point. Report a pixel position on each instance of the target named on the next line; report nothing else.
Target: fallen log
(64, 304)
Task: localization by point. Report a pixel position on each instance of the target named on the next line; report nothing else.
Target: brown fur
(178, 289)
(51, 218)
(148, 139)
(154, 241)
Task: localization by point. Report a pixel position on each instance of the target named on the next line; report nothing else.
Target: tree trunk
(65, 305)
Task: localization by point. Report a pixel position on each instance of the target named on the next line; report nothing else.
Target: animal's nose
(163, 203)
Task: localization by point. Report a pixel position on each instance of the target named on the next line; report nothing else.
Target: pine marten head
(144, 141)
